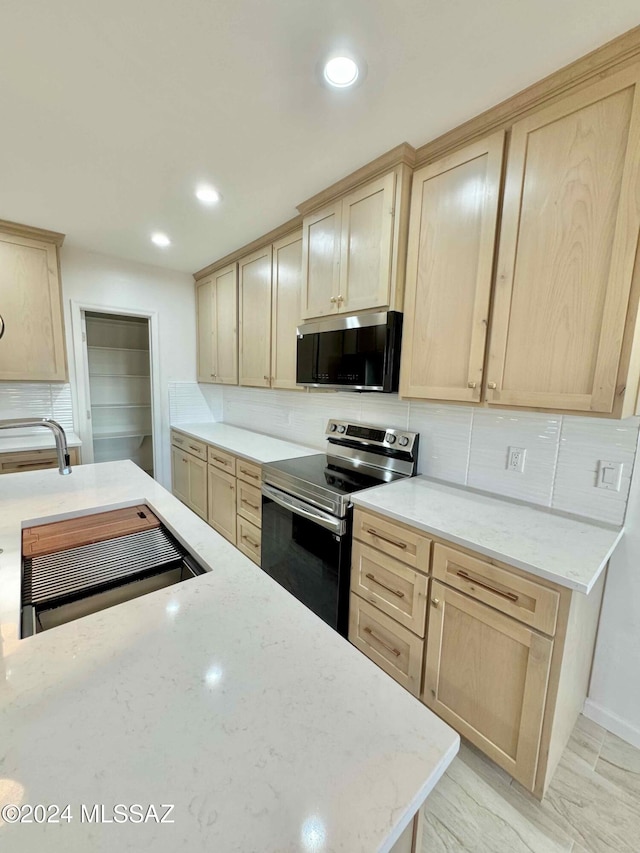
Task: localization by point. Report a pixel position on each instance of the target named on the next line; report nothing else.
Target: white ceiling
(110, 113)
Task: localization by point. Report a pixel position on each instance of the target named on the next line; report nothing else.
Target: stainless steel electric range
(307, 511)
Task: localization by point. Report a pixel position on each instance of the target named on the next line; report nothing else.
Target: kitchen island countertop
(222, 696)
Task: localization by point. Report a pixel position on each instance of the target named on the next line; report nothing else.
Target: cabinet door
(180, 474)
(198, 485)
(255, 318)
(205, 337)
(222, 503)
(321, 261)
(285, 310)
(567, 249)
(486, 675)
(365, 251)
(225, 325)
(452, 233)
(31, 327)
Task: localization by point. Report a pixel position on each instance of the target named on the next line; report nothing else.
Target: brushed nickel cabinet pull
(219, 459)
(2, 326)
(195, 449)
(384, 585)
(250, 541)
(492, 386)
(249, 474)
(375, 533)
(248, 503)
(333, 299)
(471, 384)
(435, 601)
(467, 577)
(389, 648)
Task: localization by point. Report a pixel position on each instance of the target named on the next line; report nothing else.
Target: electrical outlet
(515, 459)
(609, 475)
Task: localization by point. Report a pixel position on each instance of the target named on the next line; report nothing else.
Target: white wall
(614, 697)
(112, 283)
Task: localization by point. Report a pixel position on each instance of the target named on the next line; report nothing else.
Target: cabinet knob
(266, 377)
(213, 375)
(435, 601)
(471, 384)
(492, 386)
(333, 299)
(340, 299)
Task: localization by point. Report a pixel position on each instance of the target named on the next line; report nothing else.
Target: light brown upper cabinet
(350, 250)
(31, 326)
(254, 296)
(565, 298)
(217, 307)
(285, 309)
(452, 232)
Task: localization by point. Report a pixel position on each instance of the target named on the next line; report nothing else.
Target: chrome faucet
(64, 462)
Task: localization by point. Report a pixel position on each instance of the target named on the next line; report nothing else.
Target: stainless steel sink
(60, 587)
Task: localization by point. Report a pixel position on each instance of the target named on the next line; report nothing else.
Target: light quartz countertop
(14, 441)
(569, 551)
(222, 695)
(246, 443)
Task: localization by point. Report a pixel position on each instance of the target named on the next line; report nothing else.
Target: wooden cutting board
(85, 530)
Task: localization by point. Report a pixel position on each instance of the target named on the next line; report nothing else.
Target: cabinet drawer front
(248, 472)
(33, 460)
(249, 503)
(385, 642)
(390, 586)
(222, 460)
(191, 445)
(525, 600)
(487, 676)
(249, 539)
(409, 546)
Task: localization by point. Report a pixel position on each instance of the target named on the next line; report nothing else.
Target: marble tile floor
(592, 805)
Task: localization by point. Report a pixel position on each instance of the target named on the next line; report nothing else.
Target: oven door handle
(329, 522)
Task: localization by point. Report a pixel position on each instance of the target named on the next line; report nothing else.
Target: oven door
(308, 552)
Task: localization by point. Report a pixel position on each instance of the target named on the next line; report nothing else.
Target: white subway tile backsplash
(187, 403)
(445, 437)
(491, 436)
(37, 400)
(458, 444)
(583, 442)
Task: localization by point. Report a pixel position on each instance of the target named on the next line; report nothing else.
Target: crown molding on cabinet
(281, 231)
(599, 64)
(31, 233)
(401, 154)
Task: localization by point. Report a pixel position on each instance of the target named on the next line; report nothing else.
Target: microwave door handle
(329, 522)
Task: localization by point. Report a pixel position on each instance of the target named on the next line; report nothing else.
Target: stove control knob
(341, 428)
(390, 438)
(333, 427)
(404, 440)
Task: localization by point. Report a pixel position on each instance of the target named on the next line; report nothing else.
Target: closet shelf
(118, 349)
(120, 375)
(125, 432)
(121, 405)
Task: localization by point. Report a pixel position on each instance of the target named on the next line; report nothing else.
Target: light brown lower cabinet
(222, 503)
(34, 460)
(249, 539)
(189, 480)
(487, 675)
(506, 656)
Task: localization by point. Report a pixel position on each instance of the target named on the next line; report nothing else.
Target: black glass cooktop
(330, 473)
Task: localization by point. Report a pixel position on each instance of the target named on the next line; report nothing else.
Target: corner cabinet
(452, 233)
(32, 345)
(566, 295)
(354, 248)
(217, 327)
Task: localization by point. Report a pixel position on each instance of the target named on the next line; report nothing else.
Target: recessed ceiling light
(341, 71)
(207, 194)
(160, 239)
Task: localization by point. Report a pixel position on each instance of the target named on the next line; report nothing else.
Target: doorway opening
(118, 387)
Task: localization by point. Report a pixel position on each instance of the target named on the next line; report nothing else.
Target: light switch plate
(609, 475)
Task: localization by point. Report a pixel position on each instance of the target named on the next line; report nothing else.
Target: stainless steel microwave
(357, 353)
